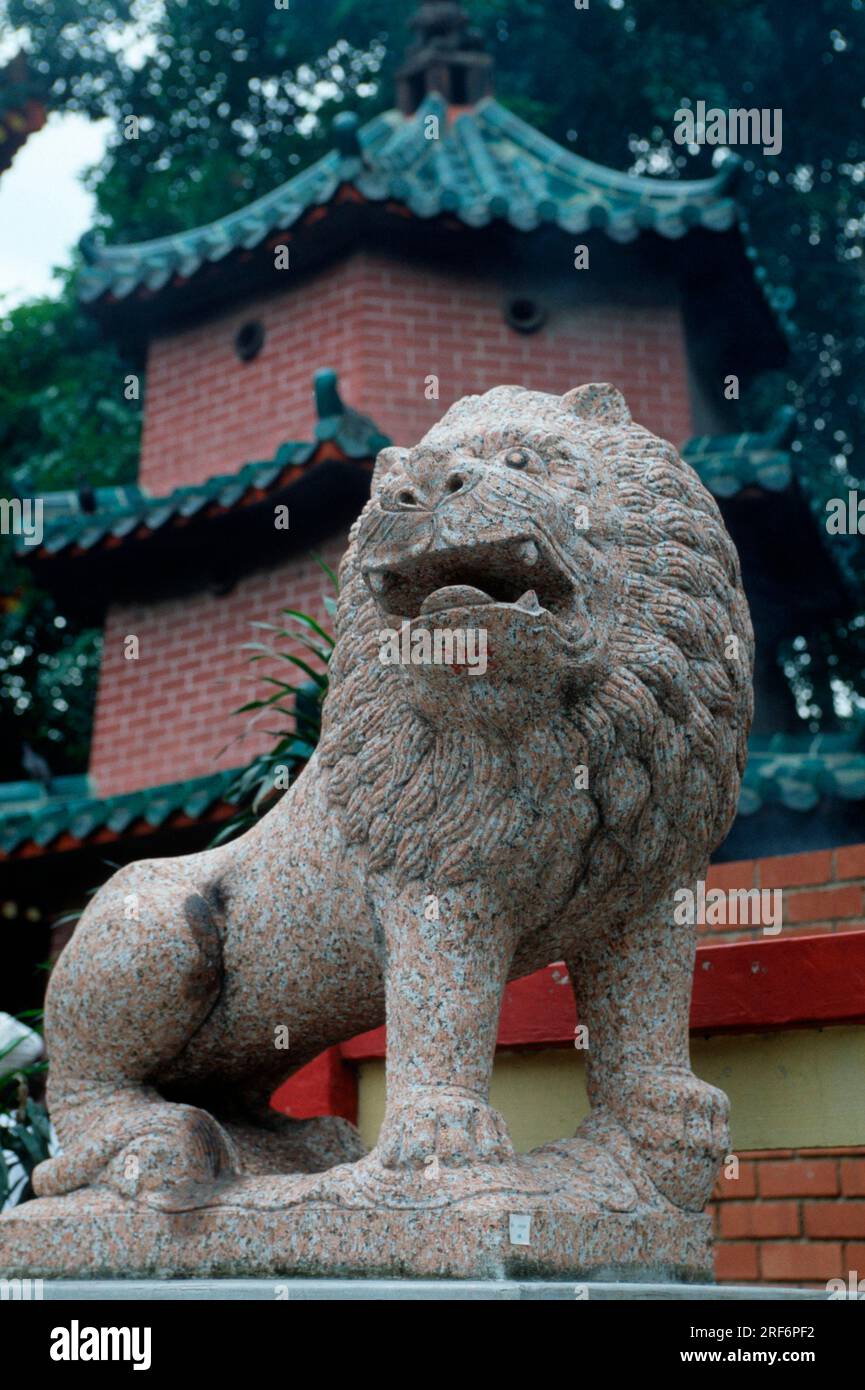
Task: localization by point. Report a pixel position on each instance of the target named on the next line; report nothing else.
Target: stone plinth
(99, 1235)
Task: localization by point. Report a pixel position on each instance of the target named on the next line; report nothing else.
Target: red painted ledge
(325, 1086)
(739, 987)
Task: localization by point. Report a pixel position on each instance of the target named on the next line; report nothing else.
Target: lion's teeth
(528, 552)
(529, 601)
(375, 580)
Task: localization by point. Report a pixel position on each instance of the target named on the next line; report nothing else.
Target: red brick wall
(792, 1218)
(385, 325)
(821, 891)
(206, 412)
(168, 715)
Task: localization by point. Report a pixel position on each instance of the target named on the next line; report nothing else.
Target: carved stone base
(358, 1221)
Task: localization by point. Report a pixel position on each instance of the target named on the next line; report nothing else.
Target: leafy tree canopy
(63, 422)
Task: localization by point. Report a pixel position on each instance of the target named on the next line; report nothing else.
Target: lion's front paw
(450, 1127)
(680, 1127)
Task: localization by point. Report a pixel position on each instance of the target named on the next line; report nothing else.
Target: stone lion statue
(457, 828)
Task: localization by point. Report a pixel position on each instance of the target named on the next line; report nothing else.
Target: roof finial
(446, 57)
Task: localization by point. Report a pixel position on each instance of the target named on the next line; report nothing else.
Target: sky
(43, 207)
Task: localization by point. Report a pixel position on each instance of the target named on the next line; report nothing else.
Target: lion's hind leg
(125, 998)
(136, 1143)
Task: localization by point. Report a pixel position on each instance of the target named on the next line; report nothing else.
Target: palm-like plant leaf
(298, 702)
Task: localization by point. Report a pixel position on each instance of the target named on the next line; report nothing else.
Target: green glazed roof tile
(47, 829)
(48, 817)
(192, 504)
(160, 806)
(126, 509)
(486, 164)
(121, 816)
(126, 524)
(293, 453)
(729, 463)
(82, 825)
(227, 496)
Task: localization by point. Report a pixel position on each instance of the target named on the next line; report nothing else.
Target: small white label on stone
(521, 1230)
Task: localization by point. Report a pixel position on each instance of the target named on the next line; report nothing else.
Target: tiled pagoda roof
(725, 463)
(129, 512)
(488, 164)
(32, 821)
(728, 463)
(754, 463)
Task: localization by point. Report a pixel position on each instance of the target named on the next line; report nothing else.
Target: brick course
(170, 714)
(385, 325)
(791, 1218)
(821, 891)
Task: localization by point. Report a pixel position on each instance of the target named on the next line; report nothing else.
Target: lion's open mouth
(515, 572)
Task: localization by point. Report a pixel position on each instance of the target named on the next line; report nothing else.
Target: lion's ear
(598, 401)
(385, 462)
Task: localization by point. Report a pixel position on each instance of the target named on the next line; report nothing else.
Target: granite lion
(453, 831)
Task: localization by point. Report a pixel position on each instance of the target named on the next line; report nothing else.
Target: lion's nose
(428, 487)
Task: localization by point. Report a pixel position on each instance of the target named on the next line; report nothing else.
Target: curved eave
(488, 166)
(728, 476)
(730, 464)
(190, 506)
(94, 821)
(588, 174)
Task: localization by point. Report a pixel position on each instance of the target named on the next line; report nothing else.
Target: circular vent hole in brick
(524, 314)
(249, 340)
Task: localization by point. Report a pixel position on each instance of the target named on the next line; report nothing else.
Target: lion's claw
(453, 1129)
(679, 1125)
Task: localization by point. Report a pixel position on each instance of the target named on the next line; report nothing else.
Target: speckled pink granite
(455, 830)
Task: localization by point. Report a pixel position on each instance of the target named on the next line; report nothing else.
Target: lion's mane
(663, 729)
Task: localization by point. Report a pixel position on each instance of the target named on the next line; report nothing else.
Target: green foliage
(25, 1134)
(63, 422)
(296, 705)
(233, 97)
(24, 1129)
(63, 417)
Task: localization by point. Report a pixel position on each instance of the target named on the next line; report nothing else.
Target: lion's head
(605, 739)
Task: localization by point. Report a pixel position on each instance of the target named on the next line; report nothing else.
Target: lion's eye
(518, 458)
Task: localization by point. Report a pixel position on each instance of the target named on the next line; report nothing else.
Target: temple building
(441, 249)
